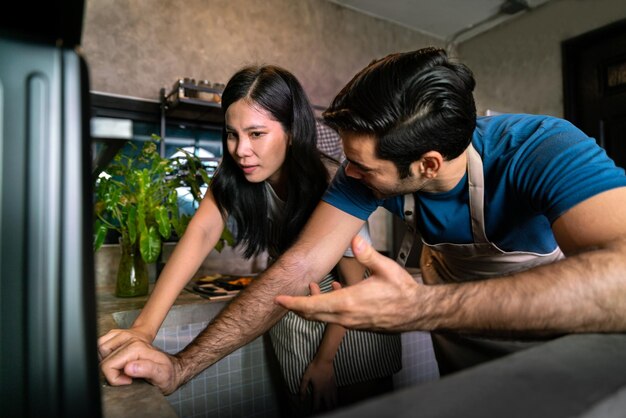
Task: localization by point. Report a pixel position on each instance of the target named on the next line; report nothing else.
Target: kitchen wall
(518, 66)
(134, 47)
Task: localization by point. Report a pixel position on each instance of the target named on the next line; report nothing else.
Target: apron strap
(475, 178)
(409, 236)
(476, 205)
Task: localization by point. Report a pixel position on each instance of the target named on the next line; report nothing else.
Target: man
(528, 202)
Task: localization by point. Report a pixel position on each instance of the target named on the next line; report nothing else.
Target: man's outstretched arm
(319, 247)
(586, 292)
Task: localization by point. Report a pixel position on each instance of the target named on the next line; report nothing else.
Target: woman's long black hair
(280, 94)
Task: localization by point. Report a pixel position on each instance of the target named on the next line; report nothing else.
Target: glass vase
(132, 275)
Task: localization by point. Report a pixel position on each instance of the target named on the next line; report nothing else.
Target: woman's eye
(256, 134)
(230, 136)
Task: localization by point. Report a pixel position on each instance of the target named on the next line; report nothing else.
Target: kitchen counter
(246, 378)
(580, 376)
(572, 376)
(140, 399)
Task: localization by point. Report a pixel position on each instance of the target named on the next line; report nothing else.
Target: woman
(268, 183)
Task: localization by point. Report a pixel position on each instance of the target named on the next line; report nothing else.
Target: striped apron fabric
(362, 355)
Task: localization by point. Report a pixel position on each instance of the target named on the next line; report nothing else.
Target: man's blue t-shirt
(535, 169)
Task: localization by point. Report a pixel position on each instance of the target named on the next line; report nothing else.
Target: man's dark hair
(412, 102)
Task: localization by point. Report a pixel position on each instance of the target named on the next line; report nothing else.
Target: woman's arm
(199, 239)
(320, 373)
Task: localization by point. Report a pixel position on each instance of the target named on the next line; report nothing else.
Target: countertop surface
(139, 399)
(581, 376)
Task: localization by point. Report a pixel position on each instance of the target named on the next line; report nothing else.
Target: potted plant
(138, 198)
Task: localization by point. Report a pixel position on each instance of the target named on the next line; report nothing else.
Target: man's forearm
(585, 292)
(246, 317)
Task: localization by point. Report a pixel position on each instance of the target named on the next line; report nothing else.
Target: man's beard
(396, 191)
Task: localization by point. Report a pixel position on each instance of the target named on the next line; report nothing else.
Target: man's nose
(351, 171)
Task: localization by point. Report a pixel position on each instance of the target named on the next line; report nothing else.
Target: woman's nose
(244, 148)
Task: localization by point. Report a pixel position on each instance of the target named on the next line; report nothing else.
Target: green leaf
(100, 232)
(225, 239)
(132, 224)
(177, 226)
(227, 236)
(183, 223)
(150, 245)
(141, 217)
(172, 199)
(163, 221)
(204, 175)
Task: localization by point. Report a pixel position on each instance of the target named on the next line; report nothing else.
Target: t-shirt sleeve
(350, 196)
(364, 233)
(561, 167)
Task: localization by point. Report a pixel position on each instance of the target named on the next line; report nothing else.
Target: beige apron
(482, 259)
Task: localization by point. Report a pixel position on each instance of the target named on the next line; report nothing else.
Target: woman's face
(257, 143)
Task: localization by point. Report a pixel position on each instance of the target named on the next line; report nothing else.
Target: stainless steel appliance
(48, 358)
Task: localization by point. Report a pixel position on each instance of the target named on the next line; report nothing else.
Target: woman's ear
(428, 165)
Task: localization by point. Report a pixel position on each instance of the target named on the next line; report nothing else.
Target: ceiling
(448, 20)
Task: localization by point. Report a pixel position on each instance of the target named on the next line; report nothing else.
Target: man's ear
(428, 165)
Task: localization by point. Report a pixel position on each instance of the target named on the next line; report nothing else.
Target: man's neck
(449, 175)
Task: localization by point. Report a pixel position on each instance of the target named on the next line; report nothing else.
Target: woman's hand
(116, 338)
(321, 377)
(320, 374)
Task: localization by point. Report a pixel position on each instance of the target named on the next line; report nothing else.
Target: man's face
(381, 176)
